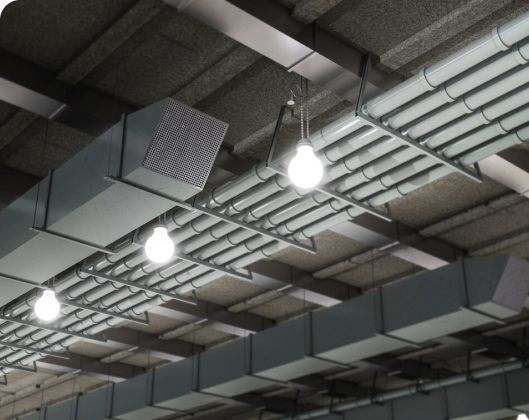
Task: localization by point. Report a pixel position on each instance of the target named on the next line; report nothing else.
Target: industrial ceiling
(424, 314)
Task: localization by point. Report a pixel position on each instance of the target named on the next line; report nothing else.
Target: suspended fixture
(159, 248)
(522, 417)
(47, 307)
(305, 170)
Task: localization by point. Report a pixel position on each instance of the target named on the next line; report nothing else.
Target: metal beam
(495, 348)
(510, 168)
(140, 342)
(399, 240)
(293, 281)
(115, 372)
(208, 314)
(267, 27)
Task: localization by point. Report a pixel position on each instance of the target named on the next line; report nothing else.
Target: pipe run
(411, 390)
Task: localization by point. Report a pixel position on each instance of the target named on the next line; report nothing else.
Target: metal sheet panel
(35, 416)
(225, 370)
(372, 412)
(65, 411)
(410, 312)
(486, 400)
(518, 386)
(283, 352)
(181, 394)
(496, 284)
(132, 400)
(92, 406)
(350, 331)
(419, 407)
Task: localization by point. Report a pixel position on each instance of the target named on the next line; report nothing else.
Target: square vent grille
(185, 144)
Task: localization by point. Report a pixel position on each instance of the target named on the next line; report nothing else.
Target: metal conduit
(65, 324)
(459, 86)
(326, 214)
(500, 39)
(470, 103)
(265, 250)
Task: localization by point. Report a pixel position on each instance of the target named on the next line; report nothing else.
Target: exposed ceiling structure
(77, 75)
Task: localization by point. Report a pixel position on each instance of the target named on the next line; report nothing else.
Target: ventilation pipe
(469, 294)
(500, 39)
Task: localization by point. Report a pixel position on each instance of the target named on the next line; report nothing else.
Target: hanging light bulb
(305, 169)
(47, 306)
(159, 247)
(522, 417)
(3, 4)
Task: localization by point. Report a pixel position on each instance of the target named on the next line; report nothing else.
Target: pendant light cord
(299, 92)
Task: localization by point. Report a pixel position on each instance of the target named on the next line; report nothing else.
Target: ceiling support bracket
(132, 285)
(34, 350)
(406, 141)
(274, 166)
(241, 276)
(43, 228)
(50, 328)
(103, 312)
(20, 367)
(25, 282)
(215, 214)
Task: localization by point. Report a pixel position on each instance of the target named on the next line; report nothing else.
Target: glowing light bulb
(522, 417)
(305, 170)
(47, 306)
(159, 247)
(3, 4)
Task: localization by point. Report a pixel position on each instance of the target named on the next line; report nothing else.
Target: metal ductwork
(167, 147)
(469, 293)
(366, 162)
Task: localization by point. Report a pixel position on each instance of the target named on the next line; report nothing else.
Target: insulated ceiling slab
(68, 28)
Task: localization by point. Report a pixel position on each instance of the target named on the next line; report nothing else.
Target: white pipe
(500, 39)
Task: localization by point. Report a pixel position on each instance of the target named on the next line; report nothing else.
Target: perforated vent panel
(185, 144)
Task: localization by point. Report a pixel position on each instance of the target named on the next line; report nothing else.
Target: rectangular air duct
(468, 293)
(167, 147)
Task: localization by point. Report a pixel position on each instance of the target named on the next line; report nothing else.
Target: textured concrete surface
(378, 270)
(444, 198)
(56, 31)
(307, 11)
(203, 336)
(489, 228)
(121, 30)
(55, 141)
(331, 247)
(228, 291)
(165, 55)
(284, 308)
(157, 324)
(439, 31)
(379, 25)
(459, 40)
(97, 351)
